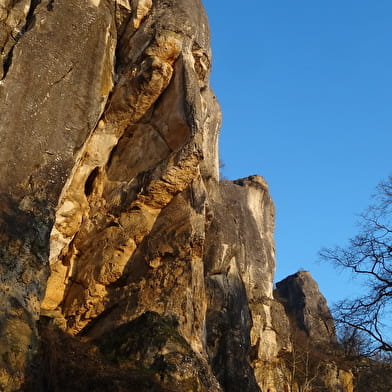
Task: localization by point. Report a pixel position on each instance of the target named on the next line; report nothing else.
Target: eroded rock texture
(119, 245)
(307, 307)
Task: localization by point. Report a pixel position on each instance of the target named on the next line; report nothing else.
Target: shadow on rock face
(66, 363)
(146, 354)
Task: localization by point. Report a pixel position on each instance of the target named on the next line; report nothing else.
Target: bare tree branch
(369, 254)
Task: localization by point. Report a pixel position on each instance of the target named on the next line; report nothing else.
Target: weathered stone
(14, 22)
(337, 379)
(152, 342)
(119, 246)
(51, 96)
(70, 166)
(307, 307)
(239, 261)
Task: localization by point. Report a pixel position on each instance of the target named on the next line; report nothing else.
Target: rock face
(119, 246)
(307, 307)
(309, 362)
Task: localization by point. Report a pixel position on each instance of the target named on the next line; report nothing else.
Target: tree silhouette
(369, 254)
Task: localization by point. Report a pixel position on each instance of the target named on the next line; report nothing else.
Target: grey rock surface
(306, 306)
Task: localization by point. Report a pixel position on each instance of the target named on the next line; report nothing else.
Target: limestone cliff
(119, 246)
(312, 361)
(307, 307)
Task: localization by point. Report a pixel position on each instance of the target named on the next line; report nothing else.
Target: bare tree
(303, 364)
(369, 254)
(353, 343)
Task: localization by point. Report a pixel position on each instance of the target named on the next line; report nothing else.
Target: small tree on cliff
(369, 254)
(303, 364)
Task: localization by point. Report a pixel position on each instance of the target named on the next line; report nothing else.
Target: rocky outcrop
(119, 245)
(312, 360)
(239, 262)
(307, 307)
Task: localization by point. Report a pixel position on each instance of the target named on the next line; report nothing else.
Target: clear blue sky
(306, 93)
